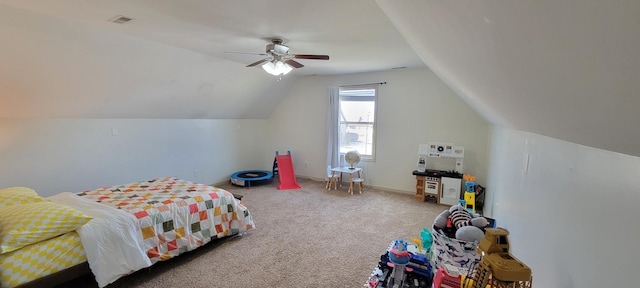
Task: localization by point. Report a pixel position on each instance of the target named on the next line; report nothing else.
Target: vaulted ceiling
(565, 69)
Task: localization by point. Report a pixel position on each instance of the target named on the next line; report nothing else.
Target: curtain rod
(379, 83)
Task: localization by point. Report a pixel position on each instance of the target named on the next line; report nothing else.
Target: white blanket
(111, 239)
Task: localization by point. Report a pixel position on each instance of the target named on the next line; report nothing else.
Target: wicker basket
(454, 252)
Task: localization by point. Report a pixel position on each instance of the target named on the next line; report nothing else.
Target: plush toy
(441, 220)
(461, 217)
(469, 234)
(467, 227)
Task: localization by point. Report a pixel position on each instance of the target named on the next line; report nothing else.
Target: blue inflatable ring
(250, 178)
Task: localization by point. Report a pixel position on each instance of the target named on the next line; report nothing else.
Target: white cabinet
(450, 190)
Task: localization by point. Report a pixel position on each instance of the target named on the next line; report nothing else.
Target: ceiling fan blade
(312, 57)
(246, 53)
(258, 62)
(294, 63)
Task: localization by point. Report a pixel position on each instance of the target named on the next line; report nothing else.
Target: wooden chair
(358, 181)
(332, 178)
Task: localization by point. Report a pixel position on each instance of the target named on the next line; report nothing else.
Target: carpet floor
(308, 237)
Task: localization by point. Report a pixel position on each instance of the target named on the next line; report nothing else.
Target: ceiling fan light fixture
(277, 67)
(278, 61)
(270, 68)
(284, 68)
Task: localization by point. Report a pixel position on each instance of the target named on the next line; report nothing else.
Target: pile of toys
(399, 267)
(457, 232)
(460, 221)
(457, 222)
(452, 243)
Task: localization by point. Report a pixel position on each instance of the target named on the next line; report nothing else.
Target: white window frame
(353, 89)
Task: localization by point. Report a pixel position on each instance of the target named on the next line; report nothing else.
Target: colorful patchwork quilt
(176, 215)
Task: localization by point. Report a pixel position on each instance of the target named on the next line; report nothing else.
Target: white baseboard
(370, 186)
(322, 180)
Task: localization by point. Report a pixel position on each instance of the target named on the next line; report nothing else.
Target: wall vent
(120, 19)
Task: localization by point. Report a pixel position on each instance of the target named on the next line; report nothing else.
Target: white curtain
(333, 148)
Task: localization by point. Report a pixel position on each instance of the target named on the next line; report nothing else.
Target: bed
(111, 231)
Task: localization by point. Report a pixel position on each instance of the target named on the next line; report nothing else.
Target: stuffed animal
(461, 217)
(469, 234)
(467, 227)
(441, 220)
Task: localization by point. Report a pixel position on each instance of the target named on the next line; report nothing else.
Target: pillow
(18, 195)
(21, 225)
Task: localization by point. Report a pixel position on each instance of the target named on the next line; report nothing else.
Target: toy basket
(455, 252)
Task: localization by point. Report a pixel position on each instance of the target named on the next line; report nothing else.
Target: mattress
(41, 259)
(176, 215)
(133, 226)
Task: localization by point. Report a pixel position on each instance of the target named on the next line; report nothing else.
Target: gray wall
(570, 209)
(56, 155)
(414, 107)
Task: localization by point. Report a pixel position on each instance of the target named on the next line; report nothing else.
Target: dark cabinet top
(438, 173)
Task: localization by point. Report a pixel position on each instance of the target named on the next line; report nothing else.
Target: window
(357, 114)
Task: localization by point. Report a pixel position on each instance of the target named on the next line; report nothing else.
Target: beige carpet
(309, 237)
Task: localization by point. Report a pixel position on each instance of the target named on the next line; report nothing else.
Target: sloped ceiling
(565, 69)
(63, 58)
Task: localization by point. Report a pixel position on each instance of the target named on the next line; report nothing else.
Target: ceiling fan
(280, 61)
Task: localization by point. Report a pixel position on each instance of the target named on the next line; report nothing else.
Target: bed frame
(82, 269)
(59, 277)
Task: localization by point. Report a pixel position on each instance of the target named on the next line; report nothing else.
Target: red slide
(286, 173)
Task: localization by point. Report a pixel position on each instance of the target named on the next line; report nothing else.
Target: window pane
(357, 117)
(356, 137)
(353, 111)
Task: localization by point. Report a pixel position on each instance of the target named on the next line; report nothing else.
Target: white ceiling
(356, 34)
(565, 69)
(63, 58)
